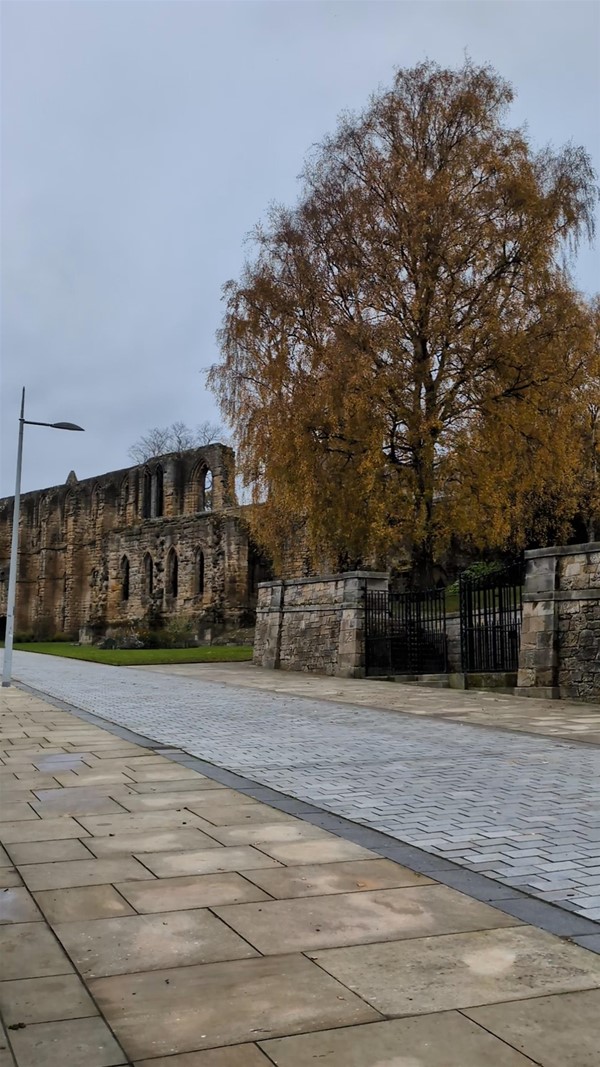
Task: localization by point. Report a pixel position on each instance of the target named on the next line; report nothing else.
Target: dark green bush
(479, 569)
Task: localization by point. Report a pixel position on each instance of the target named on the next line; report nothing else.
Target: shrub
(43, 629)
(180, 632)
(479, 569)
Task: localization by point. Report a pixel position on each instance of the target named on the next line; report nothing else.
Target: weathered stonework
(560, 639)
(453, 643)
(315, 624)
(162, 540)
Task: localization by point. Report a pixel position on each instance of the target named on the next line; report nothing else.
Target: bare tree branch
(177, 438)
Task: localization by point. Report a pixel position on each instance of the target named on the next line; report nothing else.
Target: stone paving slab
(520, 807)
(322, 879)
(461, 970)
(562, 1031)
(38, 1000)
(225, 956)
(9, 878)
(207, 861)
(112, 825)
(174, 787)
(86, 902)
(29, 950)
(150, 841)
(263, 834)
(18, 906)
(202, 891)
(15, 812)
(134, 802)
(236, 1056)
(40, 830)
(48, 851)
(70, 1043)
(307, 923)
(447, 1040)
(302, 852)
(70, 873)
(147, 942)
(87, 779)
(6, 1056)
(83, 802)
(224, 1004)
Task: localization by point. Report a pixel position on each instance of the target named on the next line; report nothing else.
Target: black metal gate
(405, 633)
(490, 620)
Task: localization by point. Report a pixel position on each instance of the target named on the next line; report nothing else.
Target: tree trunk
(422, 565)
(425, 410)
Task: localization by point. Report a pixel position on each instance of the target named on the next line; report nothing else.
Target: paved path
(522, 809)
(152, 917)
(565, 719)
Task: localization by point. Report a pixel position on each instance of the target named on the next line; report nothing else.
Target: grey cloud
(142, 141)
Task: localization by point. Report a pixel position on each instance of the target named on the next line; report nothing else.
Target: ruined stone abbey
(153, 542)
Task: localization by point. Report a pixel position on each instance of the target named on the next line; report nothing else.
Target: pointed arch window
(124, 496)
(199, 572)
(148, 575)
(69, 517)
(158, 494)
(95, 504)
(153, 493)
(207, 492)
(259, 570)
(147, 494)
(172, 573)
(124, 578)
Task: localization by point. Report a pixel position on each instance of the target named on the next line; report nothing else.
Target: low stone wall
(560, 641)
(318, 624)
(315, 624)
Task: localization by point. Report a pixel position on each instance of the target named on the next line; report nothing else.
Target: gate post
(538, 658)
(352, 640)
(466, 623)
(269, 620)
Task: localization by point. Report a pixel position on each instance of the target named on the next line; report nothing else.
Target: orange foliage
(401, 355)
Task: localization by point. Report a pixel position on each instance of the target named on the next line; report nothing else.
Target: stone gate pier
(560, 638)
(315, 624)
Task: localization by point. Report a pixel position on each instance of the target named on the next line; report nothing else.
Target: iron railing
(405, 633)
(490, 620)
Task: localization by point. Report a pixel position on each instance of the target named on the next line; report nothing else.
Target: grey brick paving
(519, 808)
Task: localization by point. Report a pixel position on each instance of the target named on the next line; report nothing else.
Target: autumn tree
(399, 352)
(162, 440)
(585, 430)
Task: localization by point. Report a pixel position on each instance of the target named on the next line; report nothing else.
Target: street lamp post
(14, 546)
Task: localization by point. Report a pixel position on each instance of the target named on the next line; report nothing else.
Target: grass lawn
(452, 603)
(453, 599)
(134, 657)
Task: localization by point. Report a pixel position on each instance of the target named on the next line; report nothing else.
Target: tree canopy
(402, 352)
(585, 432)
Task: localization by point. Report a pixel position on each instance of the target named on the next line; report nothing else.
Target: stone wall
(163, 539)
(315, 624)
(560, 642)
(453, 643)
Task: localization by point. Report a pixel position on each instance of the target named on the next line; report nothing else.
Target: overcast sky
(141, 141)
